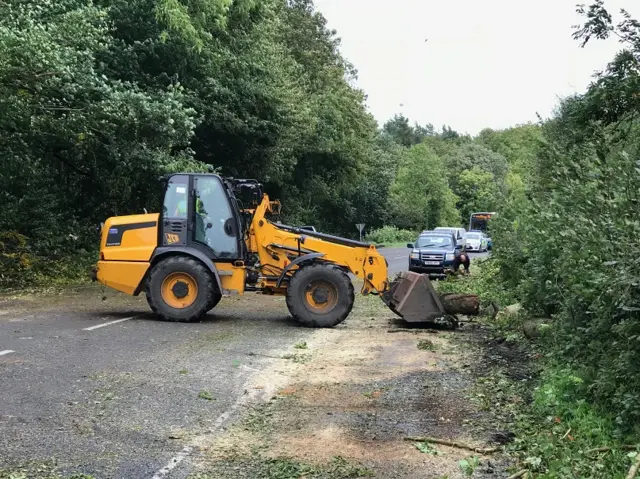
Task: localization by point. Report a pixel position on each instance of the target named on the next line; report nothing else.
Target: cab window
(215, 224)
(175, 199)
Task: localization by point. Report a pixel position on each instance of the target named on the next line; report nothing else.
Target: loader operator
(181, 207)
(180, 195)
(209, 228)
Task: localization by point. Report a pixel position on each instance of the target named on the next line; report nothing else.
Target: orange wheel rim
(179, 290)
(321, 296)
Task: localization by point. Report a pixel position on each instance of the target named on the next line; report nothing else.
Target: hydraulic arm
(282, 250)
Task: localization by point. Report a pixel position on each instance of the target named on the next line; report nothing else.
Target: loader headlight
(415, 255)
(450, 257)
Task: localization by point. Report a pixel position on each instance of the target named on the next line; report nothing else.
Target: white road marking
(250, 394)
(178, 458)
(6, 351)
(97, 326)
(173, 463)
(400, 257)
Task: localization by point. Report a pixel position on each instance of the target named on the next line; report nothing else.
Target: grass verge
(557, 432)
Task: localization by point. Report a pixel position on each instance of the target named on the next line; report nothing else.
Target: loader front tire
(180, 289)
(320, 295)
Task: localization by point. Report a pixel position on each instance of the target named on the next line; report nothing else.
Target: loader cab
(199, 211)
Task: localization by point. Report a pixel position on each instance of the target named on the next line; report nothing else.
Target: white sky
(487, 63)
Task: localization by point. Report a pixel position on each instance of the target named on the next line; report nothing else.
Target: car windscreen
(475, 236)
(434, 242)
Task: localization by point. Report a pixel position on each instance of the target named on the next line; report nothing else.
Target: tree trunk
(454, 303)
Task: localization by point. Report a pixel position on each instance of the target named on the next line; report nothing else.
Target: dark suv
(434, 253)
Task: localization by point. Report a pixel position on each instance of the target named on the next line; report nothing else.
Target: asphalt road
(398, 258)
(118, 398)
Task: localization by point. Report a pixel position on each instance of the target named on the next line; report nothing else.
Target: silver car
(476, 242)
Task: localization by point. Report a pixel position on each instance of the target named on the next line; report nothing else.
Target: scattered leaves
(205, 395)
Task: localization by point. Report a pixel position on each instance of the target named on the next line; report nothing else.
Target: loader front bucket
(411, 296)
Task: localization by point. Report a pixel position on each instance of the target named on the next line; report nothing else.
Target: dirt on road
(346, 399)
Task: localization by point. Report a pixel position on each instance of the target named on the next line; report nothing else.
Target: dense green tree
(448, 133)
(399, 129)
(477, 191)
(420, 196)
(77, 146)
(473, 155)
(519, 145)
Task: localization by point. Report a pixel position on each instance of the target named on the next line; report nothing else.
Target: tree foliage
(76, 144)
(399, 129)
(100, 98)
(569, 245)
(420, 196)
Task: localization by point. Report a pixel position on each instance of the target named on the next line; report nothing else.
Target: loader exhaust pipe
(413, 297)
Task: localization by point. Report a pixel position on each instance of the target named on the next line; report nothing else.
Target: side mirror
(410, 245)
(229, 227)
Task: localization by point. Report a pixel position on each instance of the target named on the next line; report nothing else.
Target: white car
(476, 242)
(458, 233)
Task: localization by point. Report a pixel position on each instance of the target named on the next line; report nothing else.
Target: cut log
(455, 303)
(624, 447)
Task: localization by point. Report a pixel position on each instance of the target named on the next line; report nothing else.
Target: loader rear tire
(180, 289)
(320, 295)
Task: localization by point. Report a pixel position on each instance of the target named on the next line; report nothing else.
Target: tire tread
(298, 309)
(186, 264)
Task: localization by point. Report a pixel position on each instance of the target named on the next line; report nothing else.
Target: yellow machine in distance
(210, 241)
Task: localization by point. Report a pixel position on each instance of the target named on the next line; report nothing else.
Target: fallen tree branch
(459, 445)
(407, 330)
(518, 474)
(625, 447)
(633, 470)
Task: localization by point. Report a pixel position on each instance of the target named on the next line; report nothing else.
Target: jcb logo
(172, 238)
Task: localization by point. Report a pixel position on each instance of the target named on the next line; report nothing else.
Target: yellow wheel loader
(213, 238)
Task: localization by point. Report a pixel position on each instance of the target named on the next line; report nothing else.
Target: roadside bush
(390, 235)
(563, 436)
(573, 254)
(16, 261)
(21, 266)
